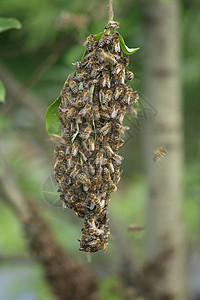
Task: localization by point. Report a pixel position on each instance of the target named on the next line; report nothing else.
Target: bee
(106, 174)
(91, 169)
(112, 187)
(133, 112)
(75, 171)
(95, 70)
(105, 129)
(118, 92)
(86, 133)
(96, 112)
(83, 155)
(117, 158)
(118, 68)
(70, 162)
(103, 40)
(135, 228)
(83, 179)
(106, 98)
(106, 57)
(115, 111)
(78, 65)
(89, 42)
(71, 113)
(106, 79)
(91, 144)
(134, 98)
(110, 166)
(112, 25)
(105, 114)
(159, 154)
(85, 110)
(116, 177)
(116, 45)
(129, 75)
(73, 86)
(75, 148)
(125, 61)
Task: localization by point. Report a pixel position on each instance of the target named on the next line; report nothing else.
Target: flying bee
(86, 133)
(59, 140)
(106, 79)
(112, 25)
(129, 75)
(117, 158)
(105, 129)
(159, 154)
(135, 228)
(73, 86)
(106, 57)
(75, 148)
(86, 109)
(133, 112)
(89, 42)
(106, 174)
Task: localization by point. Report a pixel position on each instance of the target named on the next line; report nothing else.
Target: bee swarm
(93, 104)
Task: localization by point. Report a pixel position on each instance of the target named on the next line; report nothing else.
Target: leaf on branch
(2, 92)
(9, 23)
(125, 49)
(52, 118)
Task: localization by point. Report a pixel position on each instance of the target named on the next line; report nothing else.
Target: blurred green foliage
(31, 156)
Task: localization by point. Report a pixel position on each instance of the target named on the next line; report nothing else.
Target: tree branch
(110, 11)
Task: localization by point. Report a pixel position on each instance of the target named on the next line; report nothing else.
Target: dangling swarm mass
(93, 104)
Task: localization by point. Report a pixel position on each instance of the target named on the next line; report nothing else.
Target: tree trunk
(164, 272)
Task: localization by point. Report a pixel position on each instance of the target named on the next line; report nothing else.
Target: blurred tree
(164, 272)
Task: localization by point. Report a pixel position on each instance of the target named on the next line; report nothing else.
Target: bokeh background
(34, 64)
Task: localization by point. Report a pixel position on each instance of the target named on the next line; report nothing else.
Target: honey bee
(106, 79)
(106, 57)
(118, 68)
(89, 42)
(110, 166)
(71, 113)
(105, 114)
(96, 112)
(59, 140)
(105, 129)
(70, 162)
(116, 45)
(76, 171)
(133, 112)
(119, 91)
(85, 110)
(78, 65)
(86, 133)
(91, 144)
(117, 158)
(159, 154)
(83, 179)
(134, 98)
(129, 75)
(112, 25)
(106, 98)
(135, 228)
(103, 40)
(95, 70)
(112, 187)
(75, 148)
(106, 174)
(73, 86)
(116, 177)
(84, 157)
(91, 169)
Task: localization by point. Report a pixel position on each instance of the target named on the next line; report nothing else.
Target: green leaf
(98, 36)
(9, 23)
(52, 118)
(125, 49)
(2, 92)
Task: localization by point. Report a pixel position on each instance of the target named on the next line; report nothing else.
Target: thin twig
(110, 11)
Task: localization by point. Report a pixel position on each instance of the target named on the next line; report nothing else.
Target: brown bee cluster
(94, 101)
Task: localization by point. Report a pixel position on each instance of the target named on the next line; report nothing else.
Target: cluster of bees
(94, 101)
